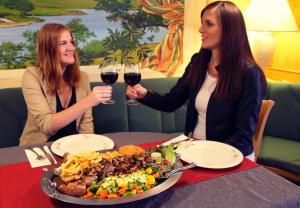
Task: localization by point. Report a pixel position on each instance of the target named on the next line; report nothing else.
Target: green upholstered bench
(280, 148)
(107, 118)
(121, 117)
(13, 114)
(280, 153)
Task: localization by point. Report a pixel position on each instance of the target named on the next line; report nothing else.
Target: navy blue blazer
(232, 122)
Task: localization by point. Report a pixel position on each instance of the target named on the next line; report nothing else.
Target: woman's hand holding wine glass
(99, 94)
(109, 75)
(132, 76)
(136, 91)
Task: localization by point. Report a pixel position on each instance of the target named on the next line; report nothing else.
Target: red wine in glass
(109, 75)
(132, 76)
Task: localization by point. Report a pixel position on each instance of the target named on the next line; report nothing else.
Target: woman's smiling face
(211, 29)
(66, 49)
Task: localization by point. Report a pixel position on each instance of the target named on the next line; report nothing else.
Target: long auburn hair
(234, 52)
(49, 58)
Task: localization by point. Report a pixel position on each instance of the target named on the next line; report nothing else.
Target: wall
(286, 59)
(191, 36)
(285, 64)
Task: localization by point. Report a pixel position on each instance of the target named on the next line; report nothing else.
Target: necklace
(212, 69)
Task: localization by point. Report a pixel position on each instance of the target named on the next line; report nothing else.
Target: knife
(49, 156)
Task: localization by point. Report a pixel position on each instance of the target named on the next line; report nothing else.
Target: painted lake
(95, 21)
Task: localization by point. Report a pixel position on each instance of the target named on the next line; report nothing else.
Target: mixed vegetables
(112, 187)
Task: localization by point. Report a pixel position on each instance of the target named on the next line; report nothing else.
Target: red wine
(109, 77)
(132, 78)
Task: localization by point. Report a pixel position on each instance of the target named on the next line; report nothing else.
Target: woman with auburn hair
(56, 92)
(223, 83)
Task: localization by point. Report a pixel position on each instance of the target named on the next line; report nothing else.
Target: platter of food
(127, 174)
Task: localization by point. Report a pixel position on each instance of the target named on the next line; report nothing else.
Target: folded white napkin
(182, 143)
(32, 157)
(180, 138)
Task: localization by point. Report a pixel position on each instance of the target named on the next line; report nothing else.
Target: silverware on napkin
(177, 141)
(48, 155)
(38, 155)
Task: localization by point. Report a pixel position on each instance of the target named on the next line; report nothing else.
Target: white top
(201, 103)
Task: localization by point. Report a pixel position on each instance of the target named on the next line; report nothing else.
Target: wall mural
(144, 31)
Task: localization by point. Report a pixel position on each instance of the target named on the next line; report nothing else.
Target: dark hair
(234, 54)
(49, 56)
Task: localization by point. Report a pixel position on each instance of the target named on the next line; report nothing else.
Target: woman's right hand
(136, 91)
(99, 94)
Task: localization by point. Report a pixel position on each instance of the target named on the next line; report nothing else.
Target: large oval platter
(55, 194)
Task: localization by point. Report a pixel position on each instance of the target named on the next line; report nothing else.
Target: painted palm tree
(132, 33)
(118, 42)
(143, 52)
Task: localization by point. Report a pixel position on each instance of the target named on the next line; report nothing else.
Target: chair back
(265, 109)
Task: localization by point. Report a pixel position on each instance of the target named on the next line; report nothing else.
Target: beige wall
(191, 36)
(10, 78)
(285, 64)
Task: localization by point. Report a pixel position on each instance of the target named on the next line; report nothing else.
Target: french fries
(110, 155)
(78, 162)
(74, 164)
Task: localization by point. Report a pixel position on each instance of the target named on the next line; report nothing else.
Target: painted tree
(135, 24)
(80, 32)
(92, 50)
(29, 47)
(121, 43)
(11, 55)
(24, 6)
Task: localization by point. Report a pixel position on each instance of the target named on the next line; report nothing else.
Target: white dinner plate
(211, 154)
(81, 142)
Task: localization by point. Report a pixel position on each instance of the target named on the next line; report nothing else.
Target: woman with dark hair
(223, 83)
(56, 92)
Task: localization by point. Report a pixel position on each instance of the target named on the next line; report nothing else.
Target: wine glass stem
(111, 101)
(132, 101)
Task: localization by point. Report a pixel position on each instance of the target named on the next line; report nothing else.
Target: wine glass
(132, 76)
(109, 74)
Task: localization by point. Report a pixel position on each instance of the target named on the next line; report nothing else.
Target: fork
(183, 141)
(188, 166)
(38, 156)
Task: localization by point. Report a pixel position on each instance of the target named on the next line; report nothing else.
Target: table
(256, 187)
